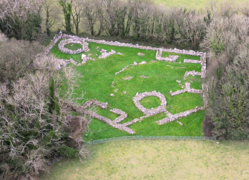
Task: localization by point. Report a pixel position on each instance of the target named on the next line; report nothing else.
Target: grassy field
(158, 159)
(196, 4)
(193, 4)
(97, 77)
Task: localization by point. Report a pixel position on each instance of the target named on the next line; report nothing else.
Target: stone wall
(65, 42)
(116, 43)
(147, 112)
(186, 89)
(171, 58)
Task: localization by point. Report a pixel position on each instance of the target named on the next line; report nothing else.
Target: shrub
(67, 151)
(229, 99)
(33, 114)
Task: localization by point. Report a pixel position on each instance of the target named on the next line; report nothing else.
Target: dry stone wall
(186, 89)
(139, 96)
(171, 58)
(116, 43)
(179, 115)
(65, 42)
(153, 111)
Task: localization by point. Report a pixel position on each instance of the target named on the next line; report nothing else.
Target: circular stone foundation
(152, 111)
(65, 42)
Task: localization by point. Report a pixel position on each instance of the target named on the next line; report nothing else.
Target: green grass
(195, 4)
(158, 159)
(150, 102)
(73, 46)
(97, 77)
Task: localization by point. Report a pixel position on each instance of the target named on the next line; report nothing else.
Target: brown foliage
(31, 132)
(16, 58)
(76, 126)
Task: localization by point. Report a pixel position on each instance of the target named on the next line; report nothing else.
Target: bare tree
(91, 13)
(17, 58)
(21, 19)
(49, 16)
(33, 111)
(191, 27)
(77, 9)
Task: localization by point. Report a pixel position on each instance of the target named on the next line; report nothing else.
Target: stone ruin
(105, 54)
(139, 96)
(186, 89)
(119, 44)
(115, 123)
(153, 111)
(171, 58)
(85, 58)
(65, 42)
(147, 112)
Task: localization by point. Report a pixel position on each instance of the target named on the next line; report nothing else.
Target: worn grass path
(158, 159)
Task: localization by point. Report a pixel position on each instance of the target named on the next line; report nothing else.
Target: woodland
(38, 108)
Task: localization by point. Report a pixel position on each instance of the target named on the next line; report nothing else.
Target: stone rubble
(122, 70)
(153, 111)
(191, 61)
(203, 66)
(144, 76)
(171, 58)
(122, 114)
(187, 89)
(179, 115)
(72, 61)
(127, 78)
(96, 103)
(110, 122)
(179, 123)
(140, 54)
(100, 104)
(134, 64)
(138, 97)
(136, 120)
(158, 54)
(193, 73)
(64, 42)
(105, 54)
(116, 43)
(85, 58)
(143, 62)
